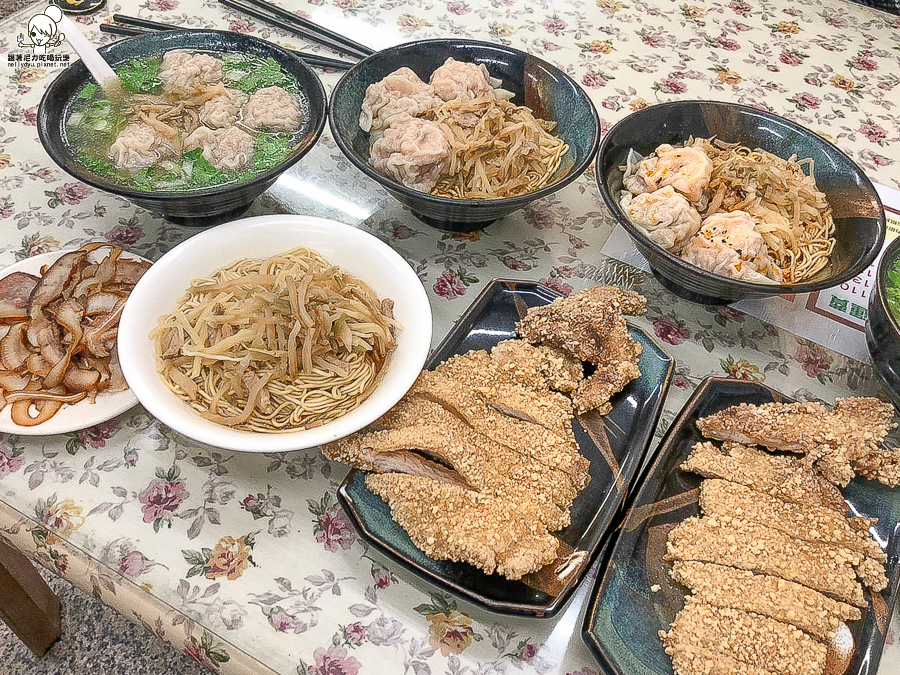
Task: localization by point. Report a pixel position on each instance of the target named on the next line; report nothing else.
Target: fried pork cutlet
(688, 659)
(451, 523)
(590, 327)
(548, 448)
(537, 366)
(841, 442)
(482, 464)
(777, 475)
(756, 548)
(810, 523)
(779, 599)
(758, 641)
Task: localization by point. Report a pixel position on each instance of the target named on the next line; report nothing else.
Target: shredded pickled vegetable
(287, 343)
(781, 194)
(508, 151)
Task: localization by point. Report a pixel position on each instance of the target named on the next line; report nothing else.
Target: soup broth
(188, 120)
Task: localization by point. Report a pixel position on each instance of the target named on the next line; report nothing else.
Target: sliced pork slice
(786, 601)
(758, 641)
(810, 523)
(451, 523)
(756, 548)
(839, 442)
(780, 476)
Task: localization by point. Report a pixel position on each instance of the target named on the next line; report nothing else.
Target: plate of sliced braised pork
(764, 540)
(497, 475)
(59, 317)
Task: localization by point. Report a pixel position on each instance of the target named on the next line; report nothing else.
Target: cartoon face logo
(43, 31)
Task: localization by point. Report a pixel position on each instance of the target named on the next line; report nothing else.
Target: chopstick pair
(136, 26)
(281, 18)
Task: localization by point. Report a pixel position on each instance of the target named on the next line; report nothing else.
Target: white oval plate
(353, 250)
(79, 415)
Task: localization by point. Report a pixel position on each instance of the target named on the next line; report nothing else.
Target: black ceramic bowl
(201, 207)
(549, 92)
(856, 208)
(883, 327)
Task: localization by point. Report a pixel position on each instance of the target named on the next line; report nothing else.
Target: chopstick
(281, 18)
(143, 27)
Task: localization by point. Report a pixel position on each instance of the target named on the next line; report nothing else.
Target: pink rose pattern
(161, 498)
(653, 57)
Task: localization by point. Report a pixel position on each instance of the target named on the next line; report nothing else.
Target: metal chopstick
(309, 59)
(299, 26)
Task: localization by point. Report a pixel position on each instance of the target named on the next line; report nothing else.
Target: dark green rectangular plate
(615, 446)
(624, 616)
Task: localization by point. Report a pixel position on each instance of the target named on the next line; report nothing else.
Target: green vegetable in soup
(892, 289)
(200, 173)
(96, 121)
(141, 75)
(269, 150)
(97, 165)
(249, 72)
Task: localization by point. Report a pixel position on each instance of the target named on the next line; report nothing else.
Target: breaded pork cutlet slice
(780, 476)
(786, 601)
(483, 465)
(546, 447)
(537, 366)
(590, 327)
(691, 660)
(810, 523)
(756, 548)
(511, 392)
(447, 522)
(841, 441)
(758, 641)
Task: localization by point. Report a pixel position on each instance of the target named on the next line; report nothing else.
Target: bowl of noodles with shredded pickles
(728, 202)
(275, 333)
(463, 132)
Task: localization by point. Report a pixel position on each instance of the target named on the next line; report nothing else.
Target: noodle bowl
(291, 342)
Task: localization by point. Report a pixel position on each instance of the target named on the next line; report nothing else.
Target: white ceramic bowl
(354, 250)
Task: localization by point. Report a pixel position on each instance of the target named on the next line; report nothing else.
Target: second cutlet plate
(635, 598)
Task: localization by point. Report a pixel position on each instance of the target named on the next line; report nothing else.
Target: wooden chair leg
(27, 604)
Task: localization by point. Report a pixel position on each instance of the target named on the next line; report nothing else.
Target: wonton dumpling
(666, 215)
(185, 73)
(223, 110)
(273, 108)
(729, 244)
(136, 147)
(456, 79)
(229, 149)
(400, 94)
(688, 170)
(413, 151)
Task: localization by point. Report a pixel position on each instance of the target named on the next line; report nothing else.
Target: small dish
(624, 615)
(615, 446)
(80, 415)
(353, 250)
(857, 211)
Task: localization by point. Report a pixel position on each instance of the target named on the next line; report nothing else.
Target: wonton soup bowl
(858, 214)
(883, 327)
(199, 207)
(549, 92)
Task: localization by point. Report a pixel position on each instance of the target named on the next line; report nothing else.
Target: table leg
(27, 604)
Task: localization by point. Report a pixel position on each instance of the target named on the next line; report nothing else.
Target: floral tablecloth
(245, 562)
